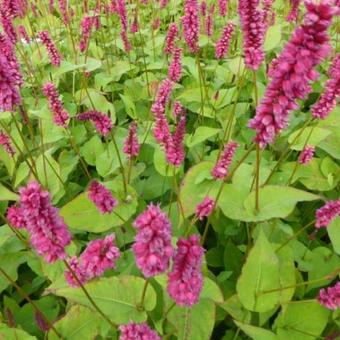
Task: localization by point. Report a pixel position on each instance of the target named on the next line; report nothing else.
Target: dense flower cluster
(101, 121)
(220, 170)
(131, 144)
(101, 197)
(122, 12)
(60, 116)
(50, 47)
(135, 331)
(294, 10)
(99, 256)
(177, 109)
(152, 247)
(48, 232)
(253, 28)
(185, 281)
(190, 22)
(222, 45)
(293, 71)
(87, 23)
(327, 213)
(268, 13)
(203, 8)
(306, 154)
(63, 8)
(15, 217)
(175, 68)
(205, 208)
(327, 101)
(6, 20)
(170, 38)
(330, 297)
(6, 143)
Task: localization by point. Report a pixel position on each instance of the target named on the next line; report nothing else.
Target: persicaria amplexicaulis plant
(169, 169)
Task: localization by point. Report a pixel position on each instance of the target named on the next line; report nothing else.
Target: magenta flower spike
(64, 12)
(292, 72)
(60, 116)
(222, 45)
(327, 101)
(5, 141)
(152, 247)
(294, 11)
(6, 20)
(190, 22)
(99, 256)
(170, 38)
(131, 144)
(135, 331)
(209, 24)
(205, 208)
(330, 297)
(253, 28)
(222, 7)
(327, 213)
(221, 168)
(51, 48)
(77, 269)
(185, 281)
(48, 232)
(102, 122)
(306, 155)
(175, 68)
(101, 197)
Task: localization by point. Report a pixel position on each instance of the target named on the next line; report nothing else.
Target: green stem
(29, 300)
(144, 294)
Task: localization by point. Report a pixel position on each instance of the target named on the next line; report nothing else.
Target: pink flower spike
(175, 68)
(6, 20)
(221, 168)
(330, 297)
(185, 281)
(101, 197)
(327, 213)
(253, 28)
(163, 3)
(15, 217)
(135, 331)
(48, 232)
(51, 48)
(63, 8)
(152, 247)
(60, 116)
(294, 11)
(209, 24)
(223, 7)
(222, 45)
(23, 33)
(5, 141)
(99, 256)
(101, 121)
(327, 101)
(170, 38)
(131, 144)
(205, 208)
(177, 109)
(203, 8)
(190, 22)
(292, 72)
(78, 270)
(306, 155)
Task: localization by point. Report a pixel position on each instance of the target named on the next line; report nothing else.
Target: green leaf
(234, 307)
(14, 333)
(6, 194)
(193, 190)
(130, 107)
(314, 137)
(334, 234)
(82, 214)
(201, 134)
(262, 271)
(256, 333)
(273, 37)
(79, 323)
(10, 263)
(301, 320)
(92, 149)
(275, 202)
(117, 297)
(194, 323)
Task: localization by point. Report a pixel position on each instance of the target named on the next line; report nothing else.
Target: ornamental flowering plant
(169, 169)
